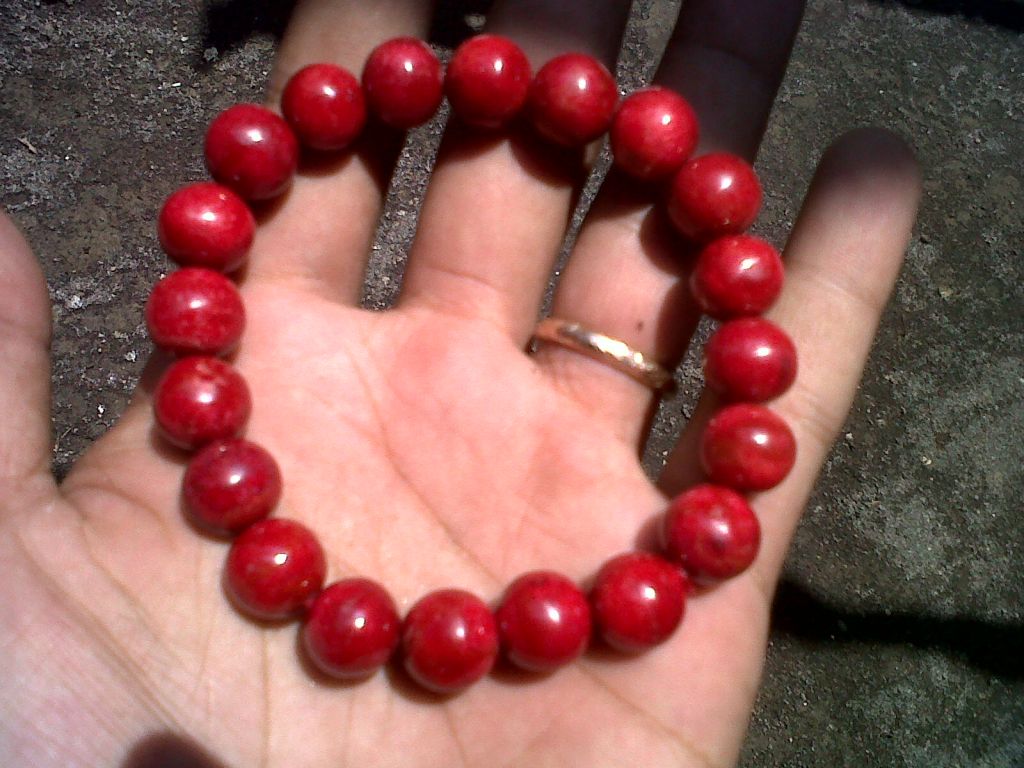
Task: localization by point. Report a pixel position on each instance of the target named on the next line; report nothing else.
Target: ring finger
(625, 277)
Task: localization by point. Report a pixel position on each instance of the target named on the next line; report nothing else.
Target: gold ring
(605, 349)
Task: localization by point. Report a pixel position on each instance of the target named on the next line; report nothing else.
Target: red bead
(450, 640)
(230, 484)
(572, 99)
(736, 275)
(544, 621)
(195, 311)
(324, 105)
(206, 225)
(638, 601)
(201, 399)
(487, 81)
(654, 132)
(352, 629)
(747, 447)
(252, 150)
(714, 195)
(403, 82)
(712, 531)
(749, 358)
(274, 569)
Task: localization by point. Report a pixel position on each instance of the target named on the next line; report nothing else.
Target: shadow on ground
(990, 646)
(229, 23)
(1003, 13)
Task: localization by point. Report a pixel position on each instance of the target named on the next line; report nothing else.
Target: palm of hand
(424, 451)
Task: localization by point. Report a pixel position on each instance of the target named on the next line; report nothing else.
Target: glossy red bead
(749, 358)
(230, 484)
(572, 99)
(487, 81)
(206, 225)
(653, 133)
(352, 629)
(324, 105)
(714, 195)
(712, 532)
(638, 601)
(449, 640)
(543, 621)
(736, 275)
(201, 399)
(403, 83)
(274, 569)
(195, 311)
(747, 447)
(252, 150)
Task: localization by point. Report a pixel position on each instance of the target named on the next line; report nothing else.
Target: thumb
(24, 365)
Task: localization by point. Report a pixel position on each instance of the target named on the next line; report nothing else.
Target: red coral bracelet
(275, 567)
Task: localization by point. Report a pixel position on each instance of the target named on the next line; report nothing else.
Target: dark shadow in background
(229, 23)
(451, 20)
(1001, 13)
(993, 647)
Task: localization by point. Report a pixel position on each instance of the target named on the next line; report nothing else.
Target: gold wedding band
(605, 349)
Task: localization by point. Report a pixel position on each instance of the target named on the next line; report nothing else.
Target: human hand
(426, 449)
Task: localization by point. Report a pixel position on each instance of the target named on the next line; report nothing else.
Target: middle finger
(497, 206)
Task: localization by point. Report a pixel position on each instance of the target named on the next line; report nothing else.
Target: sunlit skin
(427, 450)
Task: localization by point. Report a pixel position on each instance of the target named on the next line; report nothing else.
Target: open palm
(427, 449)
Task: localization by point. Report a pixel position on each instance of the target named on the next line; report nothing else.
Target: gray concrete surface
(900, 623)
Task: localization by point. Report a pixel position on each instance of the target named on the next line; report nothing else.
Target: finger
(842, 261)
(24, 365)
(626, 276)
(320, 234)
(496, 210)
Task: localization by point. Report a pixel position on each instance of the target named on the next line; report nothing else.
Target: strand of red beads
(275, 567)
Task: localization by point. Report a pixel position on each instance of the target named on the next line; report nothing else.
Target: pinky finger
(841, 264)
(24, 366)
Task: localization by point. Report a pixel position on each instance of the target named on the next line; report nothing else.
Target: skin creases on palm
(425, 451)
